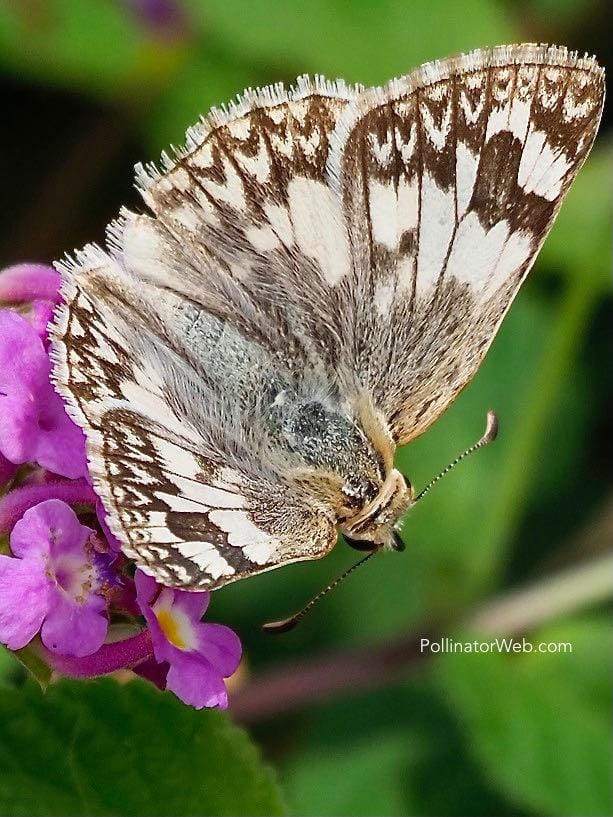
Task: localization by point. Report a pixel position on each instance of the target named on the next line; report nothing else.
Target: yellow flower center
(171, 628)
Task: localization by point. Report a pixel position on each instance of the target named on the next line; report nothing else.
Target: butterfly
(319, 272)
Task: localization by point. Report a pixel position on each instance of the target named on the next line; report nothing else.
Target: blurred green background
(353, 717)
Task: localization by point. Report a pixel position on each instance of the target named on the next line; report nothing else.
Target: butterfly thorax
(347, 465)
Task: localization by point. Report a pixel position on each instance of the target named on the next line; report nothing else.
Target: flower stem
(303, 683)
(528, 607)
(124, 654)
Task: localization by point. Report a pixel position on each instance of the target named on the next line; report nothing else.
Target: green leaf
(29, 658)
(403, 754)
(9, 667)
(361, 40)
(360, 779)
(580, 242)
(538, 726)
(86, 44)
(101, 748)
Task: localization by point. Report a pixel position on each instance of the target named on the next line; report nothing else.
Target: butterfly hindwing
(186, 496)
(193, 523)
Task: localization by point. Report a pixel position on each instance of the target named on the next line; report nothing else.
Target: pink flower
(63, 579)
(111, 539)
(52, 583)
(199, 656)
(165, 18)
(23, 283)
(34, 284)
(7, 470)
(34, 426)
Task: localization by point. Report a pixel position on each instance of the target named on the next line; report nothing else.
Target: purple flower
(23, 283)
(34, 284)
(40, 316)
(34, 426)
(162, 17)
(62, 579)
(199, 656)
(7, 470)
(52, 583)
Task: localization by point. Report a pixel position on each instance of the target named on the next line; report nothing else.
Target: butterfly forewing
(451, 179)
(322, 271)
(250, 206)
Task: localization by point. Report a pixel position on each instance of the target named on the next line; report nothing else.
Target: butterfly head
(376, 522)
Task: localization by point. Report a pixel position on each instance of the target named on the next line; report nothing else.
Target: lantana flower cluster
(67, 593)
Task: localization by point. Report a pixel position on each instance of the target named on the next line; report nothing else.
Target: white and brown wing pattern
(451, 178)
(246, 211)
(186, 493)
(171, 342)
(314, 258)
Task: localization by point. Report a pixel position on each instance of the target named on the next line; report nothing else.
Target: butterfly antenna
(287, 624)
(489, 435)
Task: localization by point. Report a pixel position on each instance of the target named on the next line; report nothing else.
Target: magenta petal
(7, 470)
(146, 587)
(221, 647)
(34, 426)
(60, 444)
(40, 315)
(146, 590)
(192, 604)
(22, 356)
(75, 629)
(24, 597)
(66, 533)
(51, 527)
(30, 535)
(153, 671)
(162, 647)
(24, 369)
(28, 282)
(195, 682)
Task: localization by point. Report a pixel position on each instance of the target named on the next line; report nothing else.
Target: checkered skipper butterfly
(321, 271)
